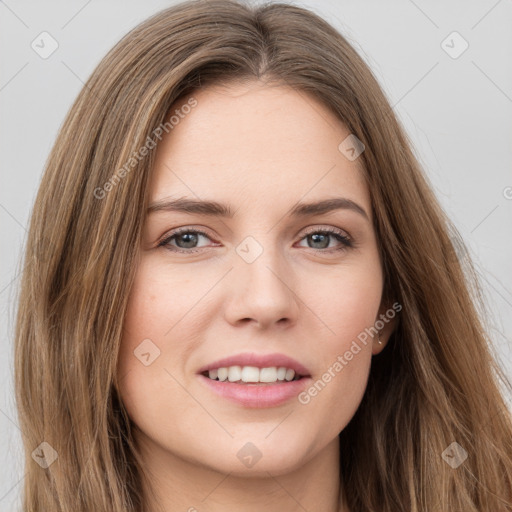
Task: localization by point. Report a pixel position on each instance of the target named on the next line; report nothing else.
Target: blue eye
(186, 237)
(185, 240)
(325, 235)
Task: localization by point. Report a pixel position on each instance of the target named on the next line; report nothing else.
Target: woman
(248, 296)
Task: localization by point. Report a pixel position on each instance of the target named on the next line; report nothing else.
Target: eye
(185, 239)
(321, 238)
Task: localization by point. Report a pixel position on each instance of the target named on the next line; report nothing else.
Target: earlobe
(378, 344)
(385, 324)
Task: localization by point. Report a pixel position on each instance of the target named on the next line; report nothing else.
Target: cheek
(158, 334)
(348, 310)
(142, 352)
(155, 306)
(348, 302)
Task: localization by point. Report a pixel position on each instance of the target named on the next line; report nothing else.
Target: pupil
(192, 238)
(315, 238)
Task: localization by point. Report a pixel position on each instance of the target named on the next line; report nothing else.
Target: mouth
(254, 380)
(253, 375)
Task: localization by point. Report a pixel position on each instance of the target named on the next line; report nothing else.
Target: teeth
(252, 374)
(281, 373)
(222, 374)
(234, 373)
(289, 374)
(269, 374)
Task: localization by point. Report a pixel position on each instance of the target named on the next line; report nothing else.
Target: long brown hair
(435, 384)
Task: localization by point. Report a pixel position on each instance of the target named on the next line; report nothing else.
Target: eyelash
(346, 242)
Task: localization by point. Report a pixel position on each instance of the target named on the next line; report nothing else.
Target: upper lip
(258, 360)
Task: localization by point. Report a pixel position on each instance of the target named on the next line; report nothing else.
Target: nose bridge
(262, 282)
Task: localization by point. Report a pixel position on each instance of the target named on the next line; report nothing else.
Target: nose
(261, 292)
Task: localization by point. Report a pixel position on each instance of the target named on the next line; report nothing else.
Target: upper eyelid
(205, 231)
(313, 229)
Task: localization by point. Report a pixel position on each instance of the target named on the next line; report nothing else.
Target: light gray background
(457, 111)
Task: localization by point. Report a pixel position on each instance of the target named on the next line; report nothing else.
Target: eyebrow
(213, 208)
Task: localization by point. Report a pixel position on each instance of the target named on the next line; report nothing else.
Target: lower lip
(257, 395)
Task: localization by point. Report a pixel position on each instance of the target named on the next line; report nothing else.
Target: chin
(257, 459)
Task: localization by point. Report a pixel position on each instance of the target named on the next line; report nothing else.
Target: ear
(385, 323)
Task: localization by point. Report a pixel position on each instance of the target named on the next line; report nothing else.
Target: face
(268, 286)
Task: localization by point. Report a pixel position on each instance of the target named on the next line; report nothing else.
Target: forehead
(255, 142)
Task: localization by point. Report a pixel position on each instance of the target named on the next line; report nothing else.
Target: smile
(252, 374)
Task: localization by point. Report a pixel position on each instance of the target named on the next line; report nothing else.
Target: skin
(260, 149)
